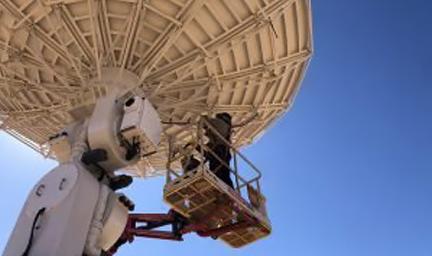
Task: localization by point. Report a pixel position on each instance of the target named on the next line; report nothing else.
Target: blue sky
(348, 171)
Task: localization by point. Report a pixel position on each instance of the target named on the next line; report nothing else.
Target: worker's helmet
(224, 116)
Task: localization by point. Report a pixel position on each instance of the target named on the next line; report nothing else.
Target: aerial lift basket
(203, 198)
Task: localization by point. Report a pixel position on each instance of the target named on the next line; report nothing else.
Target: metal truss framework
(192, 57)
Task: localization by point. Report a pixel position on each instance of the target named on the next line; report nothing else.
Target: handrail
(233, 148)
(240, 182)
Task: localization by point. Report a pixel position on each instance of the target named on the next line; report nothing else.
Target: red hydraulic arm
(146, 225)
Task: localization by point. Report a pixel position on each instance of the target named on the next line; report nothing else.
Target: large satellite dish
(189, 57)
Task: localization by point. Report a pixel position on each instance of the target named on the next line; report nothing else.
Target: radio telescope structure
(188, 57)
(147, 88)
